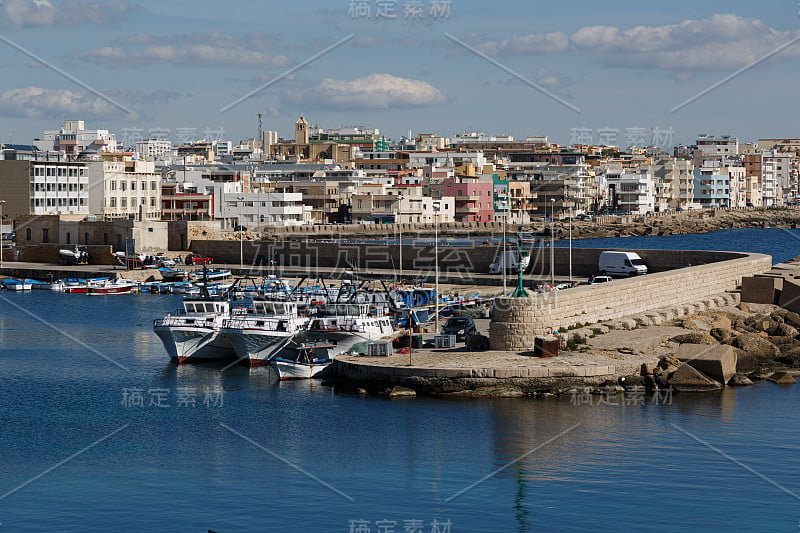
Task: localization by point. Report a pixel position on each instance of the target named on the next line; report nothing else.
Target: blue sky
(624, 65)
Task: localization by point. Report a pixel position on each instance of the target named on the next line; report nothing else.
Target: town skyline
(432, 66)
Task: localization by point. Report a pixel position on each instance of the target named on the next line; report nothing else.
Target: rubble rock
(740, 380)
(723, 335)
(689, 379)
(400, 392)
(756, 346)
(717, 362)
(782, 378)
(694, 338)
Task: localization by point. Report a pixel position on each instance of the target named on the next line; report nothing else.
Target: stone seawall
(452, 259)
(517, 320)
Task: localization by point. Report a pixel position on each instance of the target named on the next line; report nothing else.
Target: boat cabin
(205, 306)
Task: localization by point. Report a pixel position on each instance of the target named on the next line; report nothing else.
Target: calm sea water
(253, 454)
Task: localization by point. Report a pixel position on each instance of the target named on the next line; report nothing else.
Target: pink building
(473, 199)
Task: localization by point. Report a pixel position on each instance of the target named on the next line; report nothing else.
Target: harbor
(501, 359)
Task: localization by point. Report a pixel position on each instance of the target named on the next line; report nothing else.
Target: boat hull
(289, 370)
(254, 346)
(186, 344)
(19, 286)
(343, 341)
(100, 291)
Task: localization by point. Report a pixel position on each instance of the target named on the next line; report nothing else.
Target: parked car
(239, 228)
(594, 280)
(197, 259)
(164, 261)
(460, 326)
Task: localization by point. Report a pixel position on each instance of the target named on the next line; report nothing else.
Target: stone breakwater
(717, 342)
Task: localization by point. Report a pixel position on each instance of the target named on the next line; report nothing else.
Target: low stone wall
(517, 320)
(48, 253)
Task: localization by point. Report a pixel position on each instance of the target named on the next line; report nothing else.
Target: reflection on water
(399, 459)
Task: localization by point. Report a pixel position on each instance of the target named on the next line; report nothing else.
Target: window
(153, 185)
(133, 185)
(28, 234)
(45, 235)
(113, 185)
(86, 238)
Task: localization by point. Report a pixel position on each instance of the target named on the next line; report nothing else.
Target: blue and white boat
(18, 284)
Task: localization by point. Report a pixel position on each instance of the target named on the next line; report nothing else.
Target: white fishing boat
(193, 333)
(344, 325)
(259, 332)
(57, 285)
(308, 362)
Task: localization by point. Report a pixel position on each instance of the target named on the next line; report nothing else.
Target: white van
(621, 264)
(511, 261)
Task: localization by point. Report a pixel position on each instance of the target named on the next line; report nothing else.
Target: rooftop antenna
(261, 131)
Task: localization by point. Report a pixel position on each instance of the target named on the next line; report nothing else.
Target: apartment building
(43, 187)
(124, 187)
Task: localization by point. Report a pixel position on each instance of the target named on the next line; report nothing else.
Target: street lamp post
(400, 199)
(552, 242)
(570, 244)
(241, 238)
(436, 207)
(1, 232)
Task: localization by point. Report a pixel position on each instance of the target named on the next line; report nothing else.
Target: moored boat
(13, 284)
(309, 361)
(260, 332)
(118, 286)
(345, 325)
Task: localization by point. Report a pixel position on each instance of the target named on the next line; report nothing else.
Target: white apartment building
(784, 167)
(446, 159)
(736, 176)
(770, 189)
(153, 149)
(674, 182)
(122, 187)
(255, 209)
(717, 145)
(631, 193)
(59, 188)
(73, 138)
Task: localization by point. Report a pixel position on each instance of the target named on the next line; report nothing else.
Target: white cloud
(376, 91)
(199, 49)
(368, 41)
(720, 42)
(554, 81)
(35, 102)
(31, 13)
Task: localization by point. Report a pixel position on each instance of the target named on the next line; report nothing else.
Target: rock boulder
(689, 379)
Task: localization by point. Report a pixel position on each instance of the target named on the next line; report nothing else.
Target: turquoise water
(253, 454)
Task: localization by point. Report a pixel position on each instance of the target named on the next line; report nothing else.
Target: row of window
(58, 187)
(61, 172)
(112, 185)
(59, 202)
(123, 202)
